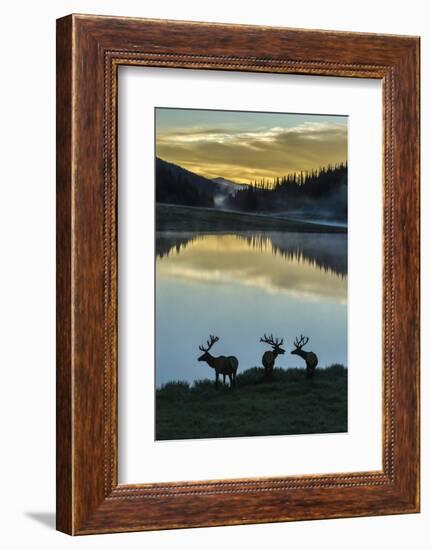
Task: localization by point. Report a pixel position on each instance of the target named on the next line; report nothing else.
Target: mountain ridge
(320, 195)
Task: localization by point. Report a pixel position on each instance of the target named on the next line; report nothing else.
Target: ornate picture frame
(89, 51)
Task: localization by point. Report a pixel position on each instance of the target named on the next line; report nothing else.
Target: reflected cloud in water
(313, 266)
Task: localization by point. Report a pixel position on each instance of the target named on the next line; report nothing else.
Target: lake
(241, 285)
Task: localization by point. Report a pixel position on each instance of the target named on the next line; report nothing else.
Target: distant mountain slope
(176, 185)
(228, 186)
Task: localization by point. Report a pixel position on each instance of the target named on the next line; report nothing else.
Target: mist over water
(241, 285)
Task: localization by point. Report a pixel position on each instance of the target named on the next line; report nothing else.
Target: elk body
(309, 357)
(269, 357)
(227, 366)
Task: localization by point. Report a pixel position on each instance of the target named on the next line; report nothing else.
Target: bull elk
(227, 366)
(309, 357)
(269, 357)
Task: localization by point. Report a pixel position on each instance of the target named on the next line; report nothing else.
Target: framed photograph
(237, 274)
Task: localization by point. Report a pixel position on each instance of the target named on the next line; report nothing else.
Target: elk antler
(271, 341)
(210, 343)
(300, 342)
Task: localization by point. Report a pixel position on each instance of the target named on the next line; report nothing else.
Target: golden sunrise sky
(245, 146)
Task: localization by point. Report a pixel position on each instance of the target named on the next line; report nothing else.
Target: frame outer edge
(407, 272)
(81, 507)
(64, 367)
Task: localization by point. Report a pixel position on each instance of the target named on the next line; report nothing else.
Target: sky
(245, 146)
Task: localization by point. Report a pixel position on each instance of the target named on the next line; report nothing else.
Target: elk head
(275, 343)
(206, 355)
(299, 343)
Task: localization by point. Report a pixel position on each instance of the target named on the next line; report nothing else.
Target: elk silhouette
(309, 357)
(269, 357)
(222, 365)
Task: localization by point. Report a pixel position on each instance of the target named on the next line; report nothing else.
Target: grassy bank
(188, 218)
(289, 404)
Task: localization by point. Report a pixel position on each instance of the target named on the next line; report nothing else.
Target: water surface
(242, 285)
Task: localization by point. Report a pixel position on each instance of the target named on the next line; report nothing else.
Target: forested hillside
(321, 193)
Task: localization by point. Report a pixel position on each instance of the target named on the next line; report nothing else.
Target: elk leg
(230, 380)
(216, 382)
(224, 379)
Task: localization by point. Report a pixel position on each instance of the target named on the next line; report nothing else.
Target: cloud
(258, 153)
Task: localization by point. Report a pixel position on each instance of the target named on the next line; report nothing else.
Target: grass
(289, 404)
(188, 218)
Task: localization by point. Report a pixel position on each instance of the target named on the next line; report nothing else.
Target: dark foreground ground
(289, 404)
(189, 218)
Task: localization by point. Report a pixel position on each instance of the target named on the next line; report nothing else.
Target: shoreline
(170, 217)
(288, 370)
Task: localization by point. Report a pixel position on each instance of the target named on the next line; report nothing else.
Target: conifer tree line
(322, 189)
(321, 192)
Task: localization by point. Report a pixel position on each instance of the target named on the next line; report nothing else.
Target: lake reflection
(239, 286)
